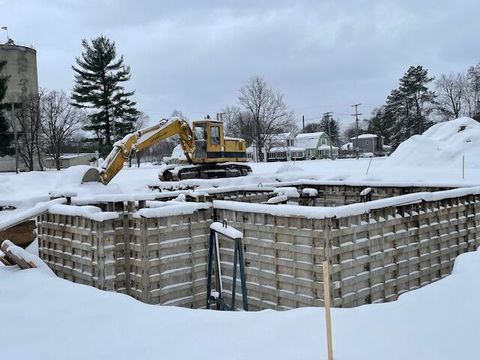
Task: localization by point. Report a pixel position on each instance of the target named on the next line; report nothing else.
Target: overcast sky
(195, 55)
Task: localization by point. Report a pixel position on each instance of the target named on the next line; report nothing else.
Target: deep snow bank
(442, 144)
(44, 317)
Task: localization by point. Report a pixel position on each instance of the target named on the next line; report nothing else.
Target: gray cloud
(195, 55)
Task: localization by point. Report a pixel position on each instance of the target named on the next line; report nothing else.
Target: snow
(326, 147)
(308, 140)
(177, 153)
(445, 142)
(171, 208)
(318, 212)
(438, 168)
(89, 212)
(365, 136)
(14, 217)
(309, 192)
(439, 321)
(27, 256)
(285, 149)
(366, 191)
(290, 192)
(347, 146)
(226, 230)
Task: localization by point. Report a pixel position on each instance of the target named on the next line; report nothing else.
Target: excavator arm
(142, 139)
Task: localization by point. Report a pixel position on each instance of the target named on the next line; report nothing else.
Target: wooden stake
(328, 320)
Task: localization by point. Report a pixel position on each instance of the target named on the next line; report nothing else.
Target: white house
(316, 145)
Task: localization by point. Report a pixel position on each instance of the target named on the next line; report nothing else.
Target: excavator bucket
(91, 175)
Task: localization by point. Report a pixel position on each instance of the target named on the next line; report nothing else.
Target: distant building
(316, 145)
(67, 160)
(281, 148)
(286, 153)
(370, 143)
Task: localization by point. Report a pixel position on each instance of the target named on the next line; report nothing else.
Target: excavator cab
(209, 142)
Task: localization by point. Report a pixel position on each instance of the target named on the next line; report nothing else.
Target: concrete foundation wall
(375, 254)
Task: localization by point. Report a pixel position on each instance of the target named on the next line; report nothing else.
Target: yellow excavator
(209, 153)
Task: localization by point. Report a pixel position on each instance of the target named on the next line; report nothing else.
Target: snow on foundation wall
(375, 256)
(158, 260)
(79, 249)
(377, 250)
(168, 258)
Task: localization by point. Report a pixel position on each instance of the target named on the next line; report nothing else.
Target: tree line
(420, 100)
(99, 104)
(51, 121)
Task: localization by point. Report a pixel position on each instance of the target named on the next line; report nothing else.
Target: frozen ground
(26, 189)
(434, 158)
(44, 317)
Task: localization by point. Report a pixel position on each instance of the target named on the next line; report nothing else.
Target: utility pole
(303, 123)
(327, 116)
(357, 114)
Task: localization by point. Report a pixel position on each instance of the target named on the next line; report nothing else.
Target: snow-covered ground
(44, 317)
(434, 158)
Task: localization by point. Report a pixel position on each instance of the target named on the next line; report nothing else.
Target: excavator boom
(142, 139)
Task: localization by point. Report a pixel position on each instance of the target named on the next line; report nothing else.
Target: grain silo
(22, 68)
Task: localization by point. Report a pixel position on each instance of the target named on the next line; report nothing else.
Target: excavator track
(203, 171)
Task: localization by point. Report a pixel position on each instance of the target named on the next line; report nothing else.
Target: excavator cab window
(215, 135)
(200, 140)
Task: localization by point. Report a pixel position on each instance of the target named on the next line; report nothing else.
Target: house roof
(364, 136)
(308, 140)
(309, 135)
(347, 146)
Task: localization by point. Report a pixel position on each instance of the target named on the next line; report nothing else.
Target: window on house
(324, 141)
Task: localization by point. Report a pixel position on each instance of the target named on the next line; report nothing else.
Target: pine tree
(6, 136)
(333, 132)
(408, 107)
(99, 78)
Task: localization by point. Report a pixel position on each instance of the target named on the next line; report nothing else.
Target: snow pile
(226, 230)
(310, 192)
(290, 192)
(73, 175)
(442, 144)
(89, 212)
(62, 320)
(27, 256)
(178, 153)
(177, 206)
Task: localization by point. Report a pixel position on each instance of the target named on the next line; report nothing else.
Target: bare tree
(313, 127)
(28, 128)
(450, 91)
(59, 122)
(265, 110)
(472, 92)
(238, 123)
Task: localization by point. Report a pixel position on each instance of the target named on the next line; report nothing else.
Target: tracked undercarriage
(204, 171)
